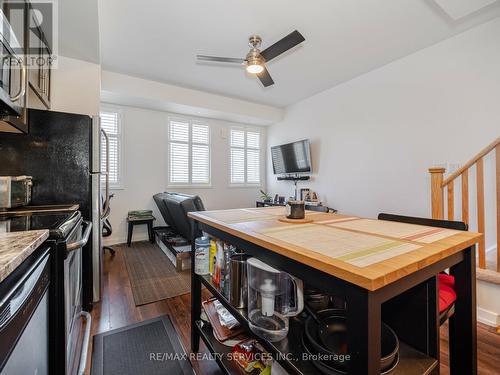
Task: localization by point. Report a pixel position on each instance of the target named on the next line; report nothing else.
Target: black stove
(59, 224)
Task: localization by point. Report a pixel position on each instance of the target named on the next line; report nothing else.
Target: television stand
(295, 179)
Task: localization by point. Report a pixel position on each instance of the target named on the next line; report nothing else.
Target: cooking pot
(328, 337)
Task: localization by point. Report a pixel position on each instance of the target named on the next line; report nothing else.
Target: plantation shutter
(200, 154)
(245, 156)
(253, 157)
(237, 156)
(110, 123)
(189, 153)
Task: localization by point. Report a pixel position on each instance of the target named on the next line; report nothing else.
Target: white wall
(145, 171)
(374, 137)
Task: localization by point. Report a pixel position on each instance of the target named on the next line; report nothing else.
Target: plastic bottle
(201, 256)
(219, 262)
(211, 258)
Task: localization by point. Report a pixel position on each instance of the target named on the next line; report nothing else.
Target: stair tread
(488, 275)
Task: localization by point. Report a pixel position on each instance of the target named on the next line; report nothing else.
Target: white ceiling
(158, 40)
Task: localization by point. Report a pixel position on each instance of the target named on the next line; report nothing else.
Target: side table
(132, 221)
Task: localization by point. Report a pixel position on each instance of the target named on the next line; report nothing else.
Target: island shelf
(408, 304)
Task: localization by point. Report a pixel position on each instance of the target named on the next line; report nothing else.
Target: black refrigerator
(62, 154)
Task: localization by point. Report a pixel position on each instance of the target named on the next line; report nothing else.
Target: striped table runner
(409, 232)
(358, 249)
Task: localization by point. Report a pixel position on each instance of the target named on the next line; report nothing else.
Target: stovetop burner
(25, 210)
(58, 223)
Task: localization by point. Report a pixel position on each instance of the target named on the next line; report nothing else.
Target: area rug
(152, 276)
(151, 347)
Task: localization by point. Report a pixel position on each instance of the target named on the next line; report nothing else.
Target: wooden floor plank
(117, 309)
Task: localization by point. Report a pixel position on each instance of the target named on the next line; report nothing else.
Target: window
(111, 124)
(245, 155)
(189, 152)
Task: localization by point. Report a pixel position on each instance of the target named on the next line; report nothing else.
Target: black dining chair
(320, 208)
(446, 282)
(107, 230)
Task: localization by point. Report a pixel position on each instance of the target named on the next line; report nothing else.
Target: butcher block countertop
(367, 252)
(15, 247)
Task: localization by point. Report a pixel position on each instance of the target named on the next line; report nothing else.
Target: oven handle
(22, 88)
(85, 237)
(85, 344)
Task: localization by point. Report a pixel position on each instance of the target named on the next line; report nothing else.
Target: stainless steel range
(68, 235)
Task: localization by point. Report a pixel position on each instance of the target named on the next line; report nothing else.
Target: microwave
(15, 191)
(13, 80)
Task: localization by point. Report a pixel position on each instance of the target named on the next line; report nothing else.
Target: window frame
(119, 185)
(246, 129)
(190, 143)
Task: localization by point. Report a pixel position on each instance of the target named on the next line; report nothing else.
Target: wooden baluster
(437, 192)
(451, 201)
(480, 210)
(497, 151)
(465, 196)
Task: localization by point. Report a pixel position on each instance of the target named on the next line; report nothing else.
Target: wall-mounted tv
(292, 158)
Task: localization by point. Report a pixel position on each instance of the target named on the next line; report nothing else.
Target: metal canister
(238, 280)
(295, 210)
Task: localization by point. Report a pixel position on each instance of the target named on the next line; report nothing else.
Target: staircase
(443, 201)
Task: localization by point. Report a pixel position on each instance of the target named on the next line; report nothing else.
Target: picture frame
(304, 193)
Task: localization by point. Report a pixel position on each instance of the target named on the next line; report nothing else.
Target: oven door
(73, 299)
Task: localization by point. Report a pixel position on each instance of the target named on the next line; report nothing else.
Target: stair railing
(439, 184)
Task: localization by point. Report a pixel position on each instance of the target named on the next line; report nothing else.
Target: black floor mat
(150, 347)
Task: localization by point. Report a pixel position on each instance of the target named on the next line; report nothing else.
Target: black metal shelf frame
(415, 295)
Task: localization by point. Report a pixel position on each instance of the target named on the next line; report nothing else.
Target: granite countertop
(15, 247)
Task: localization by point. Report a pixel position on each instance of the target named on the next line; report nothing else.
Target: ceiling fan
(256, 60)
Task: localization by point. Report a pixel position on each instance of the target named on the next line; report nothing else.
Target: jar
(201, 256)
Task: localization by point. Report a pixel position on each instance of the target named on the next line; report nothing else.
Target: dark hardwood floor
(117, 309)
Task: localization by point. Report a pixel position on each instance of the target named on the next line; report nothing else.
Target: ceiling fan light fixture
(255, 68)
(255, 61)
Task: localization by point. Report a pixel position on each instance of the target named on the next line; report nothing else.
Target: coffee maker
(273, 297)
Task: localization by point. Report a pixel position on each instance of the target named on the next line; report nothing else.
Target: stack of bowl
(325, 340)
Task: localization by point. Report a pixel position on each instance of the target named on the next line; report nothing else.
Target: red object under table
(447, 294)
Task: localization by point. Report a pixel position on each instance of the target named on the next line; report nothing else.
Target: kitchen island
(384, 271)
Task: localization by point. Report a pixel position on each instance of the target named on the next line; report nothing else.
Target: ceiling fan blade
(289, 41)
(265, 78)
(220, 59)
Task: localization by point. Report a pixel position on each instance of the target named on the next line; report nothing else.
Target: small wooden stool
(148, 220)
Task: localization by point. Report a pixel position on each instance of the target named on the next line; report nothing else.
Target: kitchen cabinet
(40, 63)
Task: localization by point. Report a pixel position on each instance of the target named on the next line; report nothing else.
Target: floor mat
(151, 347)
(152, 276)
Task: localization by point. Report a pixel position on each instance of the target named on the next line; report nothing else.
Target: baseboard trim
(109, 241)
(491, 248)
(488, 317)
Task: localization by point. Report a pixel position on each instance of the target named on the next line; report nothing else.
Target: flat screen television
(292, 158)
